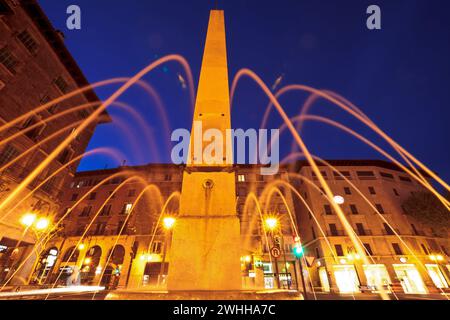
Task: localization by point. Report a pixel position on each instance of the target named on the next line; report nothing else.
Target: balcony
(336, 233)
(385, 232)
(364, 232)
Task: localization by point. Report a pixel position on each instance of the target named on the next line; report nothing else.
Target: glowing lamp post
(28, 219)
(168, 224)
(271, 223)
(339, 200)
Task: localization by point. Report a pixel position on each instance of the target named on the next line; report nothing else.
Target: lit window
(127, 208)
(241, 178)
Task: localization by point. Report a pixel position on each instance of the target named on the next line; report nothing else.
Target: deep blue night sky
(399, 76)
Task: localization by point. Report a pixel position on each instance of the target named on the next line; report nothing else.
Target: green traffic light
(298, 251)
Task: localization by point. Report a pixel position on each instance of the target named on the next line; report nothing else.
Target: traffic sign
(277, 240)
(310, 260)
(275, 252)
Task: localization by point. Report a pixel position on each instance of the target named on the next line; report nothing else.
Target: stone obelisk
(205, 250)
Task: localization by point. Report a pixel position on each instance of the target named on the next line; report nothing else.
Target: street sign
(277, 240)
(309, 261)
(275, 252)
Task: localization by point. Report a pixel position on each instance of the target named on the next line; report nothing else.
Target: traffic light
(298, 250)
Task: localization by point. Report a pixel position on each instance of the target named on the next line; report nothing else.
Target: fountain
(205, 251)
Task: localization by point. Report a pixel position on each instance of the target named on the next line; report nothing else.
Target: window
(444, 251)
(100, 229)
(323, 173)
(398, 251)
(106, 210)
(425, 249)
(366, 175)
(61, 84)
(368, 249)
(333, 230)
(396, 192)
(74, 197)
(360, 229)
(28, 41)
(86, 211)
(65, 156)
(8, 154)
(328, 210)
(347, 191)
(127, 208)
(33, 133)
(8, 60)
(387, 175)
(379, 208)
(388, 229)
(405, 179)
(93, 195)
(414, 229)
(46, 99)
(313, 233)
(353, 209)
(260, 178)
(132, 192)
(83, 114)
(241, 178)
(342, 174)
(339, 250)
(156, 247)
(372, 190)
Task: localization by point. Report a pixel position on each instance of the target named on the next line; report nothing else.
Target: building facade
(416, 262)
(35, 68)
(117, 246)
(115, 237)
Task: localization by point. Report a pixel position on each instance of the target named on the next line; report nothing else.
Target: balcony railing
(336, 233)
(364, 232)
(389, 232)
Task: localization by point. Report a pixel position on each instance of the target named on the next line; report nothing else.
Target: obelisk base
(205, 254)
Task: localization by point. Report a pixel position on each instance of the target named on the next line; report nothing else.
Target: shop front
(410, 278)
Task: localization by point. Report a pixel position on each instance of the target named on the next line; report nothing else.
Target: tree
(427, 209)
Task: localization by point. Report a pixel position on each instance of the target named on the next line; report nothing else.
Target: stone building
(35, 68)
(141, 258)
(99, 219)
(417, 262)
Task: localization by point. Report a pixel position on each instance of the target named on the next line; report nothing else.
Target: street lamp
(28, 219)
(168, 223)
(42, 224)
(339, 200)
(271, 223)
